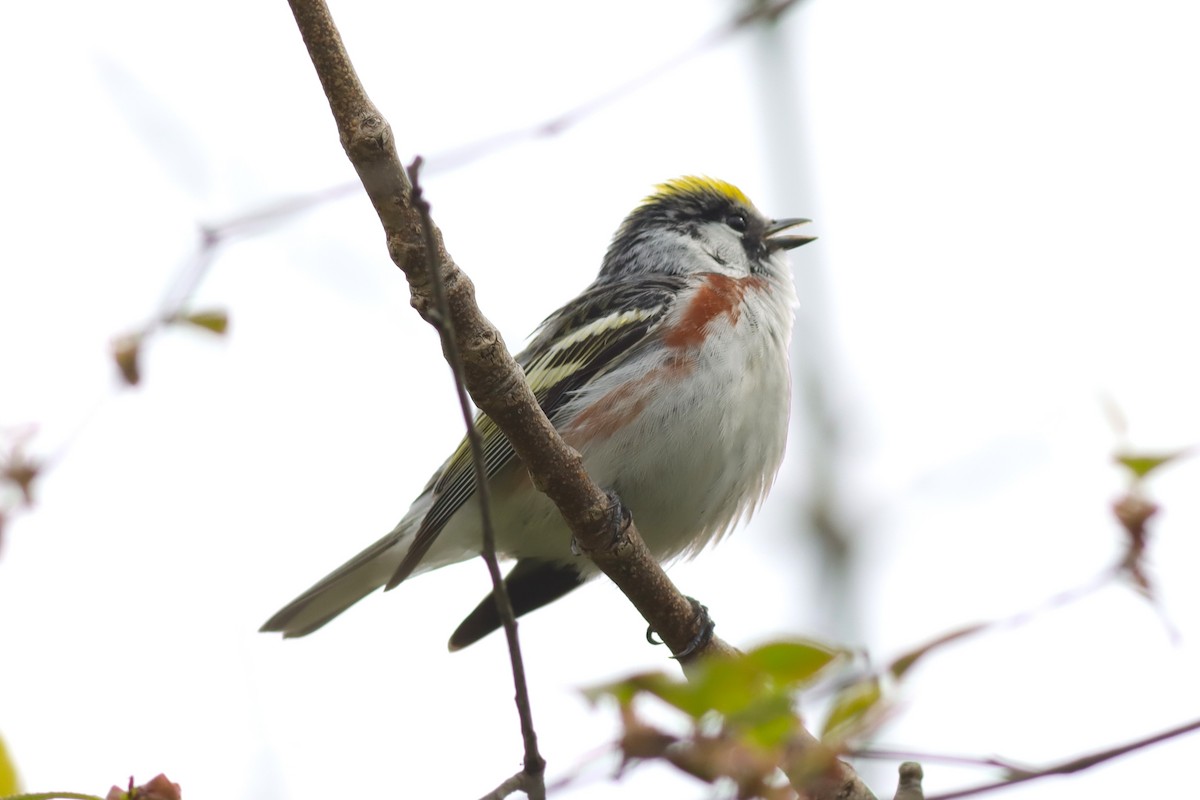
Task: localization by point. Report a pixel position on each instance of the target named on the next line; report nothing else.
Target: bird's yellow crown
(691, 185)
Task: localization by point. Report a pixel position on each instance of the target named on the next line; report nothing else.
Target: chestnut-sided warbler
(669, 374)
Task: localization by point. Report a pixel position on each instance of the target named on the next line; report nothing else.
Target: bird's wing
(584, 339)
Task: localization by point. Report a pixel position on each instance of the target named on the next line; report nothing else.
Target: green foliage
(742, 713)
(127, 349)
(1140, 465)
(157, 788)
(900, 666)
(736, 689)
(9, 783)
(213, 320)
(851, 708)
(744, 726)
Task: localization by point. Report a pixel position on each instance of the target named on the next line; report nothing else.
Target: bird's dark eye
(737, 221)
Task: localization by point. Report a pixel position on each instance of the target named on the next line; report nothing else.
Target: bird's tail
(340, 589)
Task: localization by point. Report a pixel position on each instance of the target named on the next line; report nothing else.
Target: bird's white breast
(689, 435)
(692, 440)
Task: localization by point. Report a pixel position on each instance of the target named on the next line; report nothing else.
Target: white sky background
(1006, 199)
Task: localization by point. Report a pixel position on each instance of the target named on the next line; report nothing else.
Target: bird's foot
(707, 626)
(619, 520)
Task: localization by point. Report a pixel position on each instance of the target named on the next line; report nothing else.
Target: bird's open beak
(786, 242)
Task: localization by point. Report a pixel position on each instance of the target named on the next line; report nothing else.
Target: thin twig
(1072, 765)
(900, 666)
(517, 783)
(473, 151)
(255, 219)
(186, 282)
(250, 222)
(953, 759)
(535, 765)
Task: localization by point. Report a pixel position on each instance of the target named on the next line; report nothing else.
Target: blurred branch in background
(768, 11)
(817, 424)
(1071, 765)
(1019, 773)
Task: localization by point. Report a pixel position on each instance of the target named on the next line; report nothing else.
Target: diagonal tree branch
(495, 381)
(600, 525)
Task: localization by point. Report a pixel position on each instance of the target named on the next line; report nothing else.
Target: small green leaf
(768, 722)
(850, 706)
(214, 320)
(905, 662)
(682, 696)
(9, 783)
(727, 685)
(754, 688)
(792, 663)
(623, 691)
(1142, 464)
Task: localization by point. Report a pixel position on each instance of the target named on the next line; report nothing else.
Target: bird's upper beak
(775, 242)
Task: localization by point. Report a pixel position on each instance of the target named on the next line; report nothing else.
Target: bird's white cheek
(721, 254)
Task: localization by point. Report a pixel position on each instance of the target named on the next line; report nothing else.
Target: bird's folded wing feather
(584, 339)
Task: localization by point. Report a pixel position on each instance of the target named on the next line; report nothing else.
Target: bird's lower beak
(775, 242)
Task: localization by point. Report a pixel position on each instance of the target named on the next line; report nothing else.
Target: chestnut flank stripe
(719, 294)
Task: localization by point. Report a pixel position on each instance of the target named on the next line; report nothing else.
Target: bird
(669, 375)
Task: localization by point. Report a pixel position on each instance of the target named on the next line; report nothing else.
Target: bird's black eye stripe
(737, 221)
